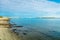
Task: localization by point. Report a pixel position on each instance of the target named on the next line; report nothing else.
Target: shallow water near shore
(38, 29)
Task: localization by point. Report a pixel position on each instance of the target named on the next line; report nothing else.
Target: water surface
(48, 28)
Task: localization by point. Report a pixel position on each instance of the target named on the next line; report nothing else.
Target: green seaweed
(1, 16)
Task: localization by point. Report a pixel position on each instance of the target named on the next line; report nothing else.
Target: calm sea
(49, 28)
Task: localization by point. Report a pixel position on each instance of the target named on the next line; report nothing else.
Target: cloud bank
(29, 8)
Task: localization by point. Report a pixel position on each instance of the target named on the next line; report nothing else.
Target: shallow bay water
(38, 29)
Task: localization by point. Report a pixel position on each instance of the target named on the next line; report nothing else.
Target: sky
(30, 8)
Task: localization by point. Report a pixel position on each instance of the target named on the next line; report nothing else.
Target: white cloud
(38, 6)
(46, 6)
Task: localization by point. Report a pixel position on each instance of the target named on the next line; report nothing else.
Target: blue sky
(30, 8)
(57, 1)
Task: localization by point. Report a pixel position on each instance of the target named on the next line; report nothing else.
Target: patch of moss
(1, 16)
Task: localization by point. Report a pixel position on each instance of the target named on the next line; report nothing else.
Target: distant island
(48, 17)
